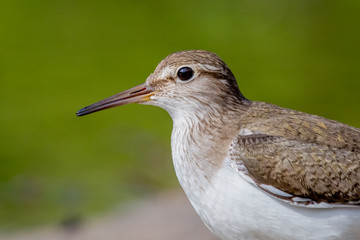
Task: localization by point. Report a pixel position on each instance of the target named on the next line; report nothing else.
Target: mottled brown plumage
(301, 154)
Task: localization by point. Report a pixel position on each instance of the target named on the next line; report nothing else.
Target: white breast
(186, 153)
(235, 209)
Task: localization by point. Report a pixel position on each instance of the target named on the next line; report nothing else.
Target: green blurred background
(57, 56)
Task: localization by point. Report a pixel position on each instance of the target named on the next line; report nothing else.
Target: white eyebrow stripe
(167, 71)
(208, 67)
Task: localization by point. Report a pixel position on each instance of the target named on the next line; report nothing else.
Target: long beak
(136, 94)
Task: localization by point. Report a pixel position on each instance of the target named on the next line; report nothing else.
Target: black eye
(185, 73)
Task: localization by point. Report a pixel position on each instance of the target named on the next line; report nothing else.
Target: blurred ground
(163, 217)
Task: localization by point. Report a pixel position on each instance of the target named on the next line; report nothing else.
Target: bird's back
(301, 154)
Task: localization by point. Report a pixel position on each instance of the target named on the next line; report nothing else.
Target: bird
(251, 170)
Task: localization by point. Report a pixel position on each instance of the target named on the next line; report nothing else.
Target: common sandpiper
(252, 170)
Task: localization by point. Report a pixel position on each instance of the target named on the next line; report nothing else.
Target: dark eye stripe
(185, 73)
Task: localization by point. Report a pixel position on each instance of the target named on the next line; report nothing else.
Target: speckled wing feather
(299, 157)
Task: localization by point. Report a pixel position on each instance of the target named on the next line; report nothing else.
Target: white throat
(189, 162)
(198, 149)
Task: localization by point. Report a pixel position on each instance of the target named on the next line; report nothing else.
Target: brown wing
(303, 156)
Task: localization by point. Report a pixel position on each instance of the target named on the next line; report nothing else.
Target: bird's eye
(185, 73)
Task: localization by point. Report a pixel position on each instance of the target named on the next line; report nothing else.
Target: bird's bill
(136, 94)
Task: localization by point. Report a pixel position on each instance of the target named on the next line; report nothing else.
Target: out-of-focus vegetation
(58, 56)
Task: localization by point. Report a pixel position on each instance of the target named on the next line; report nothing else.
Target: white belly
(235, 209)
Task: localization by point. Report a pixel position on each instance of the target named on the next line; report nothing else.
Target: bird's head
(187, 81)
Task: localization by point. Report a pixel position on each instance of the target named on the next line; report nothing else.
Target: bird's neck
(200, 143)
